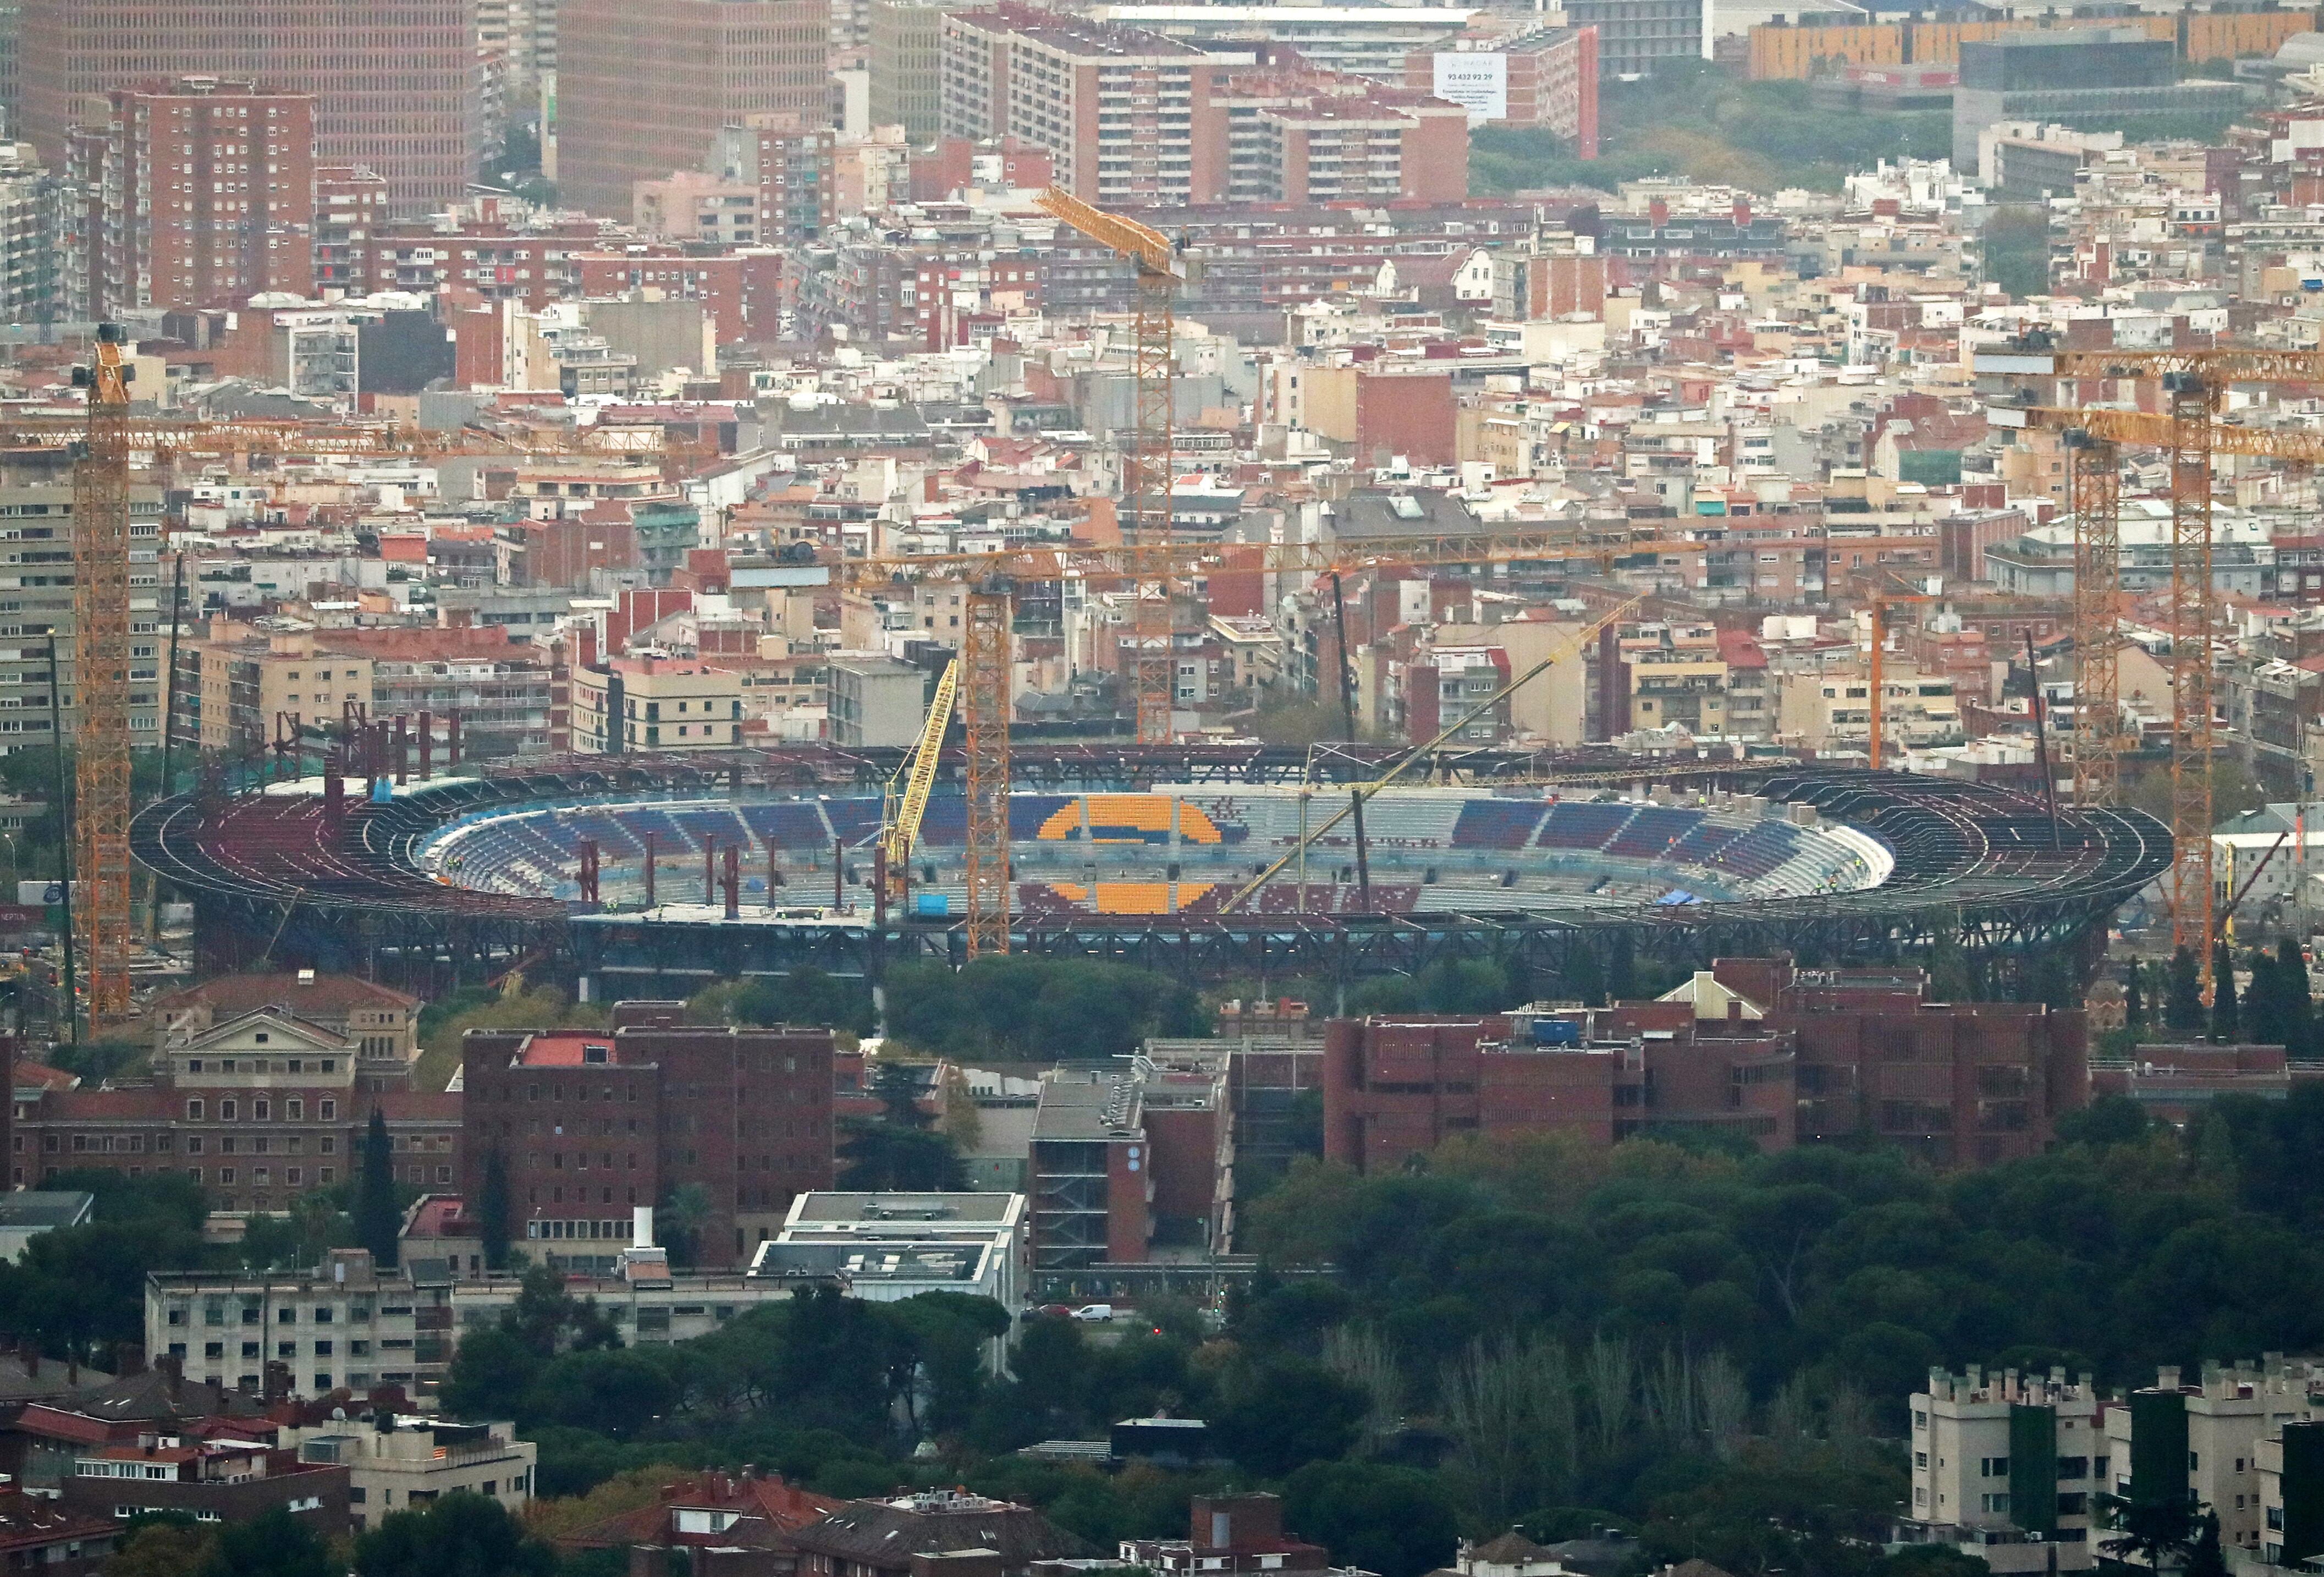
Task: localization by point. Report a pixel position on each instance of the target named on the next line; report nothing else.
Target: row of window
(294, 1109)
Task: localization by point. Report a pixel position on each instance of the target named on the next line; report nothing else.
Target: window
(193, 1111)
(1993, 1467)
(2000, 1503)
(2073, 1467)
(226, 1111)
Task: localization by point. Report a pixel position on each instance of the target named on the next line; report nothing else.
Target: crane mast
(101, 653)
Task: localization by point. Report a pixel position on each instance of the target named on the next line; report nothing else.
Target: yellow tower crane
(908, 790)
(101, 682)
(1146, 463)
(2194, 382)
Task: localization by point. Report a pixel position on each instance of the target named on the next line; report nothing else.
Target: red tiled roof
(554, 1050)
(232, 995)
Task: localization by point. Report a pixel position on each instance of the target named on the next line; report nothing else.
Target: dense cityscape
(899, 789)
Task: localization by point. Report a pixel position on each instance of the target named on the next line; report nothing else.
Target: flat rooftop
(1091, 1107)
(812, 1210)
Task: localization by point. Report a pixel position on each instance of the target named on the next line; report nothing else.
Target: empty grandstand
(1731, 857)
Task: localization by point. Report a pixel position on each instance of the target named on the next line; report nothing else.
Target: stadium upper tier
(1804, 846)
(1185, 851)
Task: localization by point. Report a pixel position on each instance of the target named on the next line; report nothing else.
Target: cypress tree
(2227, 1020)
(2299, 1012)
(2182, 1006)
(2264, 1002)
(377, 1218)
(2134, 1002)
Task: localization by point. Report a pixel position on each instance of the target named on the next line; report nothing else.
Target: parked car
(1095, 1313)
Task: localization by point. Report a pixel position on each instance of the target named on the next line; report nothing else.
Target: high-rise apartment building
(1305, 136)
(36, 598)
(643, 90)
(394, 84)
(1125, 114)
(791, 168)
(905, 54)
(349, 204)
(31, 206)
(206, 195)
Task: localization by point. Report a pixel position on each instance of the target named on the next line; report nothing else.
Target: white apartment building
(2004, 1467)
(2222, 1443)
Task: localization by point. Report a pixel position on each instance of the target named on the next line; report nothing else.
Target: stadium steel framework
(282, 879)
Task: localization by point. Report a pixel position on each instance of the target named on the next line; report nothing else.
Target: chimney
(32, 1352)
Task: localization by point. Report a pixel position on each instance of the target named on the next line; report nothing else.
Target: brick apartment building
(1783, 1056)
(1125, 114)
(394, 88)
(485, 265)
(1130, 118)
(644, 90)
(257, 1107)
(197, 192)
(590, 1125)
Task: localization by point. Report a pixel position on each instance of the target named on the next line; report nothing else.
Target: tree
(881, 1157)
(1391, 1520)
(2134, 1001)
(2298, 1013)
(162, 1547)
(616, 1392)
(2227, 1022)
(2182, 1006)
(462, 1535)
(683, 1215)
(491, 1375)
(273, 1543)
(493, 1211)
(378, 1219)
(1287, 1411)
(2017, 244)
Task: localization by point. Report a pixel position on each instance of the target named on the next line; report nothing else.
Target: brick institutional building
(590, 1124)
(1785, 1056)
(394, 84)
(261, 1088)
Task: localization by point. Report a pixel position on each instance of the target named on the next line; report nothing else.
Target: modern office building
(642, 90)
(1636, 36)
(2065, 74)
(905, 54)
(394, 87)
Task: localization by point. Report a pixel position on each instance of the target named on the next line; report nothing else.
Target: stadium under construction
(631, 876)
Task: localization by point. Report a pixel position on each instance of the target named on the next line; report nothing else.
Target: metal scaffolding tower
(2193, 614)
(984, 704)
(2094, 494)
(101, 685)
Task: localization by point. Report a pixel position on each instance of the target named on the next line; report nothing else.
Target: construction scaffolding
(101, 660)
(2193, 615)
(984, 704)
(2094, 495)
